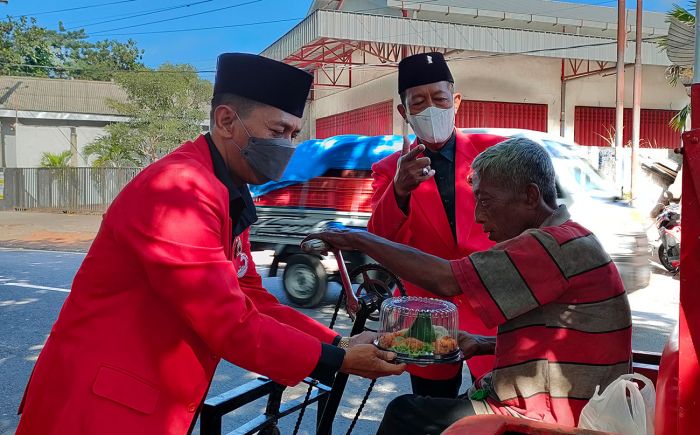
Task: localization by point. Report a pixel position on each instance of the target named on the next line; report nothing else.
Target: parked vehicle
(668, 224)
(594, 203)
(330, 180)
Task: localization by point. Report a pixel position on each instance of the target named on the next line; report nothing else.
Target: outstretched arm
(427, 271)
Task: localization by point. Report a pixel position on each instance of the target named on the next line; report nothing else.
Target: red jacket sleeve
(251, 284)
(387, 219)
(177, 236)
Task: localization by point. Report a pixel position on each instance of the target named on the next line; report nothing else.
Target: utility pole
(620, 99)
(637, 102)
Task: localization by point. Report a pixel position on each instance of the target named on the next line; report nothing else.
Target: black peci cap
(263, 80)
(421, 69)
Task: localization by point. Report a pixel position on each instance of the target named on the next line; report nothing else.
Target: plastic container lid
(419, 330)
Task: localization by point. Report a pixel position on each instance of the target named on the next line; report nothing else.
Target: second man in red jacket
(417, 190)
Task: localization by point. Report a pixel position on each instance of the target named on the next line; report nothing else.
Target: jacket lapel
(426, 200)
(464, 198)
(199, 150)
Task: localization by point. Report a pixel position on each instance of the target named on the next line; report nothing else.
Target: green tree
(27, 49)
(676, 73)
(165, 107)
(51, 160)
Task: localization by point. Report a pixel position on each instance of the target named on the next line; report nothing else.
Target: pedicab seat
(500, 424)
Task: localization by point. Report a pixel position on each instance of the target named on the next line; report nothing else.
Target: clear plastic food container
(419, 330)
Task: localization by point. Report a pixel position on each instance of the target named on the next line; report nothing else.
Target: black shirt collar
(447, 151)
(241, 207)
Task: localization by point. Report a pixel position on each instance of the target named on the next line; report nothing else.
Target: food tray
(419, 330)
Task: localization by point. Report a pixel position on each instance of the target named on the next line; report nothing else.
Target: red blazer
(426, 228)
(154, 307)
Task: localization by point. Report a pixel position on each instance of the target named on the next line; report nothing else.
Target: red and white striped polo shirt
(564, 322)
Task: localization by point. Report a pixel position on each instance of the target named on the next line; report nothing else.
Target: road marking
(38, 287)
(46, 251)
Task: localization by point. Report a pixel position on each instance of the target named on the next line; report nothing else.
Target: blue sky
(200, 47)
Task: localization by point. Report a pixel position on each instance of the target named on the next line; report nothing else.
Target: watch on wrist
(344, 343)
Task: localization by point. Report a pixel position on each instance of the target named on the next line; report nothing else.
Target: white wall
(521, 79)
(31, 138)
(487, 79)
(525, 79)
(599, 91)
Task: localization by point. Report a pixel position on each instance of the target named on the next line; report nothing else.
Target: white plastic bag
(622, 407)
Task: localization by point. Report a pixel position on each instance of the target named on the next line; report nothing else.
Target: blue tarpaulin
(314, 157)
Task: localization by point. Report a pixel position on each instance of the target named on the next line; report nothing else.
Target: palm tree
(676, 73)
(51, 160)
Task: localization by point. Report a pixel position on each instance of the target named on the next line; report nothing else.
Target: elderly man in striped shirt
(564, 322)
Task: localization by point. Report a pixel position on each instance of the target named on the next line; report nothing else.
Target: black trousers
(447, 389)
(415, 415)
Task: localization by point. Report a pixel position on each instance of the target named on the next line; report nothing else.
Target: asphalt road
(34, 284)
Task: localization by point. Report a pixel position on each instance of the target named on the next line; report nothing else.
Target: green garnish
(422, 329)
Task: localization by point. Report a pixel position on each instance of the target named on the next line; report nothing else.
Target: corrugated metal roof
(544, 8)
(452, 36)
(556, 16)
(58, 95)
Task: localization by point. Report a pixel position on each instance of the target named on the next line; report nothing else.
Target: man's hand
(475, 345)
(366, 337)
(338, 239)
(411, 171)
(368, 361)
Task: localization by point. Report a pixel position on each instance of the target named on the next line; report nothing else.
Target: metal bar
(325, 427)
(562, 101)
(636, 102)
(620, 98)
(290, 407)
(234, 399)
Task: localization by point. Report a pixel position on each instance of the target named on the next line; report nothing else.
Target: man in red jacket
(417, 191)
(169, 288)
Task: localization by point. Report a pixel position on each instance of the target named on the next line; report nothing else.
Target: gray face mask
(267, 157)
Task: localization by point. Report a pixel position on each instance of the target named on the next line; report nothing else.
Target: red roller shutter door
(374, 120)
(498, 114)
(593, 124)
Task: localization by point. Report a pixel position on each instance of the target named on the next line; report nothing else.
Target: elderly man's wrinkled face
(502, 213)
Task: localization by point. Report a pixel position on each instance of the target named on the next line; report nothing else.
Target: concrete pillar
(73, 147)
(400, 126)
(8, 132)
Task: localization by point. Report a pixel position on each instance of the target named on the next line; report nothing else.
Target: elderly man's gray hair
(517, 162)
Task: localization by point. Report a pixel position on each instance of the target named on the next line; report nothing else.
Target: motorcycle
(668, 224)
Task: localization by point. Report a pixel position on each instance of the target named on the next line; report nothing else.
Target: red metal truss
(322, 52)
(577, 68)
(337, 76)
(393, 53)
(331, 60)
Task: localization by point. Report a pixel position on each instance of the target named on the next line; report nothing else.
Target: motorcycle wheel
(663, 258)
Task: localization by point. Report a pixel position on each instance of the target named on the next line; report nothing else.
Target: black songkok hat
(421, 69)
(263, 80)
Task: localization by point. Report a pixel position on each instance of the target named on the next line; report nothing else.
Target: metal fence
(74, 190)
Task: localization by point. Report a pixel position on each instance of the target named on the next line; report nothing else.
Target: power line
(256, 23)
(367, 66)
(180, 17)
(196, 29)
(140, 14)
(34, 14)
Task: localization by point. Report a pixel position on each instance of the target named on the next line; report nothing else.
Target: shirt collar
(558, 217)
(241, 206)
(221, 170)
(448, 150)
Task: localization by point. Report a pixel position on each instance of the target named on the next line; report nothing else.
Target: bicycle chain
(361, 270)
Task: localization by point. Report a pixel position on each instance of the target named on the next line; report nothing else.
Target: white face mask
(433, 125)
